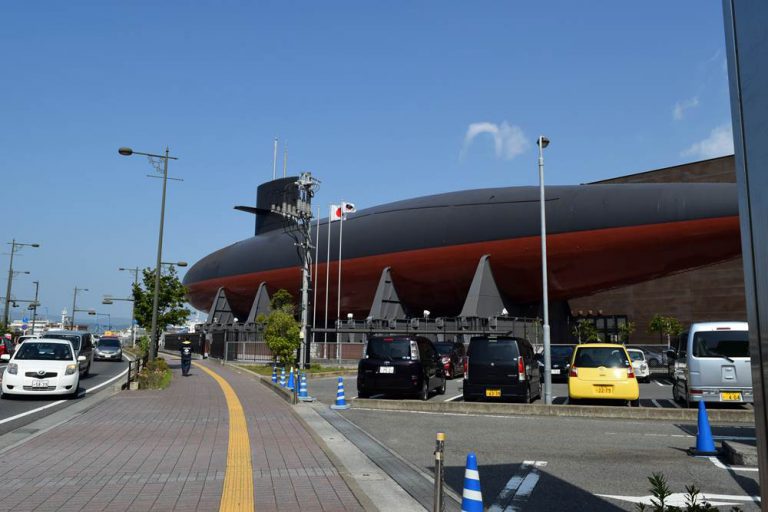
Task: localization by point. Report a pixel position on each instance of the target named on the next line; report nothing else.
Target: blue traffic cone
(303, 395)
(282, 377)
(341, 403)
(274, 374)
(472, 497)
(291, 383)
(705, 445)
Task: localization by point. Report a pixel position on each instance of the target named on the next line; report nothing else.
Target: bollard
(439, 472)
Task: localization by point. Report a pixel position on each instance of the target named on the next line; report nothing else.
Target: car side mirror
(671, 354)
(81, 358)
(5, 357)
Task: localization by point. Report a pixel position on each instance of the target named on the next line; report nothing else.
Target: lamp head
(91, 311)
(542, 141)
(426, 313)
(181, 264)
(125, 151)
(107, 301)
(35, 245)
(350, 316)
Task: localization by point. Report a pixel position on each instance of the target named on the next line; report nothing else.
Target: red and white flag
(335, 212)
(348, 208)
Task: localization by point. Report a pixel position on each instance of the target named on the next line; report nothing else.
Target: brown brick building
(714, 292)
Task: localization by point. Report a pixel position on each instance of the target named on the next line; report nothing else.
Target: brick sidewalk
(167, 450)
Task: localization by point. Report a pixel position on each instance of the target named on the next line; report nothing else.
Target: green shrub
(661, 492)
(155, 375)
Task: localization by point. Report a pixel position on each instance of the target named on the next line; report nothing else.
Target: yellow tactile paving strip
(237, 495)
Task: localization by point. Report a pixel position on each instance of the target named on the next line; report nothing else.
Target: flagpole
(338, 288)
(327, 284)
(314, 279)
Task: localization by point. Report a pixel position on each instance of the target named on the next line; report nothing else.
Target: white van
(712, 364)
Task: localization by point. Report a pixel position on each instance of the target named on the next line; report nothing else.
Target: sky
(380, 101)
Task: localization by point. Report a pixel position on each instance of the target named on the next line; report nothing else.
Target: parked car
(602, 371)
(108, 348)
(42, 367)
(560, 360)
(501, 367)
(400, 365)
(639, 364)
(654, 359)
(452, 355)
(6, 346)
(712, 364)
(81, 342)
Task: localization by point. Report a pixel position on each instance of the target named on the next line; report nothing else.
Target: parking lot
(656, 393)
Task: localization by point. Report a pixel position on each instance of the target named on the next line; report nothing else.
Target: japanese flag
(348, 208)
(335, 212)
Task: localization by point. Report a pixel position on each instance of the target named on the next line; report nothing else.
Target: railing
(247, 351)
(134, 367)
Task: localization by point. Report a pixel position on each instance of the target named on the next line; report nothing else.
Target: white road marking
(33, 411)
(453, 398)
(662, 385)
(678, 499)
(466, 415)
(657, 404)
(377, 396)
(519, 488)
(720, 465)
(716, 438)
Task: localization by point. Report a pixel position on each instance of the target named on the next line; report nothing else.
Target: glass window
(636, 355)
(444, 349)
(109, 342)
(389, 348)
(721, 344)
(595, 357)
(500, 349)
(74, 338)
(44, 351)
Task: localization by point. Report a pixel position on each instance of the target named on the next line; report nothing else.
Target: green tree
(625, 331)
(668, 326)
(170, 303)
(585, 331)
(282, 330)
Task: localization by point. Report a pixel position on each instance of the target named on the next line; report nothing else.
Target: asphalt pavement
(16, 412)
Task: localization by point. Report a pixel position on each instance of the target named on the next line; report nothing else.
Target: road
(19, 411)
(657, 393)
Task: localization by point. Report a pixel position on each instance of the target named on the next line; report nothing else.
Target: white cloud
(719, 143)
(509, 140)
(678, 111)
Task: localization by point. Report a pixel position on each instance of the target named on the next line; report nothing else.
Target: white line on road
(33, 411)
(716, 438)
(657, 404)
(519, 488)
(452, 398)
(720, 465)
(660, 384)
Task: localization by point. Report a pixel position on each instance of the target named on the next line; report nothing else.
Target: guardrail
(134, 367)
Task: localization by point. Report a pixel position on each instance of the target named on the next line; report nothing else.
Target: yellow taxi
(602, 371)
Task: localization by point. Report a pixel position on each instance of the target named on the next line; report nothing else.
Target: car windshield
(721, 344)
(636, 355)
(109, 342)
(595, 357)
(389, 348)
(444, 348)
(44, 351)
(74, 338)
(488, 349)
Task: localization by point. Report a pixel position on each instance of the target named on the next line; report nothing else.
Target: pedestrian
(186, 357)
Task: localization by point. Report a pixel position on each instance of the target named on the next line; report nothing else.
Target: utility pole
(14, 244)
(34, 306)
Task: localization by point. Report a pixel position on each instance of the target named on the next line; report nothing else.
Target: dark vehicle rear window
(75, 339)
(594, 357)
(109, 342)
(499, 349)
(721, 343)
(444, 348)
(389, 348)
(561, 352)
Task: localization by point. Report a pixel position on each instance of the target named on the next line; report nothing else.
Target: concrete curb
(582, 411)
(310, 376)
(283, 393)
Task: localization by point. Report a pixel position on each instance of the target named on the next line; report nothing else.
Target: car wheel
(527, 396)
(675, 393)
(441, 389)
(424, 393)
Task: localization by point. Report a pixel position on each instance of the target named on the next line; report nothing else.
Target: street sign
(25, 320)
(24, 327)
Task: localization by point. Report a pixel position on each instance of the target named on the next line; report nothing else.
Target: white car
(639, 365)
(42, 366)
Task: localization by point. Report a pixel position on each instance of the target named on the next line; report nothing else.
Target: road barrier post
(439, 472)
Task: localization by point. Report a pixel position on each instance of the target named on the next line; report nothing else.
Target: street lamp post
(74, 306)
(128, 152)
(543, 142)
(14, 244)
(135, 272)
(34, 306)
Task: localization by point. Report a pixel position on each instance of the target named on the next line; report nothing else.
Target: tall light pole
(74, 306)
(543, 142)
(14, 244)
(135, 272)
(128, 152)
(34, 305)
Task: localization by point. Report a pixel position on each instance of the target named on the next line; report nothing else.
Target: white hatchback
(42, 366)
(639, 364)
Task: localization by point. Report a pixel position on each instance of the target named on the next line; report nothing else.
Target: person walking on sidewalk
(186, 357)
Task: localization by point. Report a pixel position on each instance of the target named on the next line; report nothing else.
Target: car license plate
(39, 383)
(493, 392)
(603, 389)
(730, 397)
(555, 371)
(386, 369)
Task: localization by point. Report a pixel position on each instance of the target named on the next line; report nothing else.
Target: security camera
(426, 313)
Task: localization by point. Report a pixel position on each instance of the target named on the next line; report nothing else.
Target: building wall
(714, 292)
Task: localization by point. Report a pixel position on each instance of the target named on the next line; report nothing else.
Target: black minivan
(400, 365)
(501, 367)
